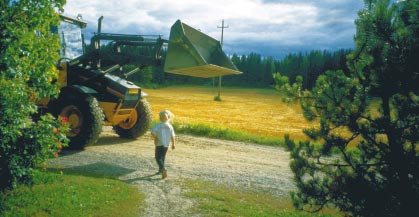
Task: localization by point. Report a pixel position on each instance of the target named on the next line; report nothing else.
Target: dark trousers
(160, 156)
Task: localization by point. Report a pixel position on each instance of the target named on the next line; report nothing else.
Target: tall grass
(218, 132)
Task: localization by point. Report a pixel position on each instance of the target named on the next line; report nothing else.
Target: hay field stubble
(255, 111)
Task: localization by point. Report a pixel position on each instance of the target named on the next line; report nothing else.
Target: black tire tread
(141, 126)
(93, 118)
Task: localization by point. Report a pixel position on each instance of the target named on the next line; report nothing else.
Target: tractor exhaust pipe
(99, 25)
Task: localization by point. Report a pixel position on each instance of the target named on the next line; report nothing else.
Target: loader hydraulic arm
(149, 48)
(116, 54)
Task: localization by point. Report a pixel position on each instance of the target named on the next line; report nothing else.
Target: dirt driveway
(237, 164)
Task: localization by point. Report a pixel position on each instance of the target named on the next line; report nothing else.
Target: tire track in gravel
(235, 164)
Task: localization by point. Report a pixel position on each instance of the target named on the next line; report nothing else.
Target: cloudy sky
(267, 27)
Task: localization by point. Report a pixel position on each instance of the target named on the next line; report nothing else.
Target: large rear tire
(137, 124)
(84, 116)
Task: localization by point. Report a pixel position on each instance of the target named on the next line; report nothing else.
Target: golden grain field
(256, 111)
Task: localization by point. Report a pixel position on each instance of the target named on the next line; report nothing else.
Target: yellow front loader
(92, 96)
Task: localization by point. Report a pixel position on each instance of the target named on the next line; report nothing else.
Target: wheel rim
(130, 122)
(75, 119)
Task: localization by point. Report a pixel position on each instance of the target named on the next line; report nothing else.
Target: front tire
(84, 116)
(137, 124)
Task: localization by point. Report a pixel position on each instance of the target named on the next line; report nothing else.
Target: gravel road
(236, 164)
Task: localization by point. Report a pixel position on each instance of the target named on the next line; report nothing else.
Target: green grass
(216, 200)
(55, 194)
(225, 133)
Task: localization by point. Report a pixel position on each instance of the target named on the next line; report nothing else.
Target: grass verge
(55, 194)
(225, 133)
(217, 200)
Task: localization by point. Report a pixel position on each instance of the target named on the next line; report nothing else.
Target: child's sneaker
(164, 174)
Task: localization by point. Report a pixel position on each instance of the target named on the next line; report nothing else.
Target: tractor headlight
(133, 91)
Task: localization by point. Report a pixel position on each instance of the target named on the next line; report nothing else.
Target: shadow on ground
(105, 170)
(153, 177)
(96, 170)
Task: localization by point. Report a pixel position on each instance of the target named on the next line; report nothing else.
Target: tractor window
(70, 40)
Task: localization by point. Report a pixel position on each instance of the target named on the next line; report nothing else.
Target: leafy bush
(29, 146)
(28, 53)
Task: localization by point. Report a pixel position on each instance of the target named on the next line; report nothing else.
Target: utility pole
(222, 27)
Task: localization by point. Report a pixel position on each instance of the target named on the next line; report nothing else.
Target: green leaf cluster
(28, 54)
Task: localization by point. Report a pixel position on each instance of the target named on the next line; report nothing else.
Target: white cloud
(288, 23)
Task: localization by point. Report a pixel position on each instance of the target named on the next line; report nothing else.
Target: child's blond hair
(166, 116)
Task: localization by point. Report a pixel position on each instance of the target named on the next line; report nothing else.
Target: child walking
(164, 136)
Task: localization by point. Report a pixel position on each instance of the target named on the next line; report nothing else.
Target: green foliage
(293, 91)
(368, 163)
(28, 146)
(28, 53)
(71, 195)
(311, 65)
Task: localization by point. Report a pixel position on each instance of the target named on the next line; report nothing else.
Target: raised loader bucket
(193, 53)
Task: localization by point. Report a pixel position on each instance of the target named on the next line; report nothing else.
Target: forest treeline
(256, 70)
